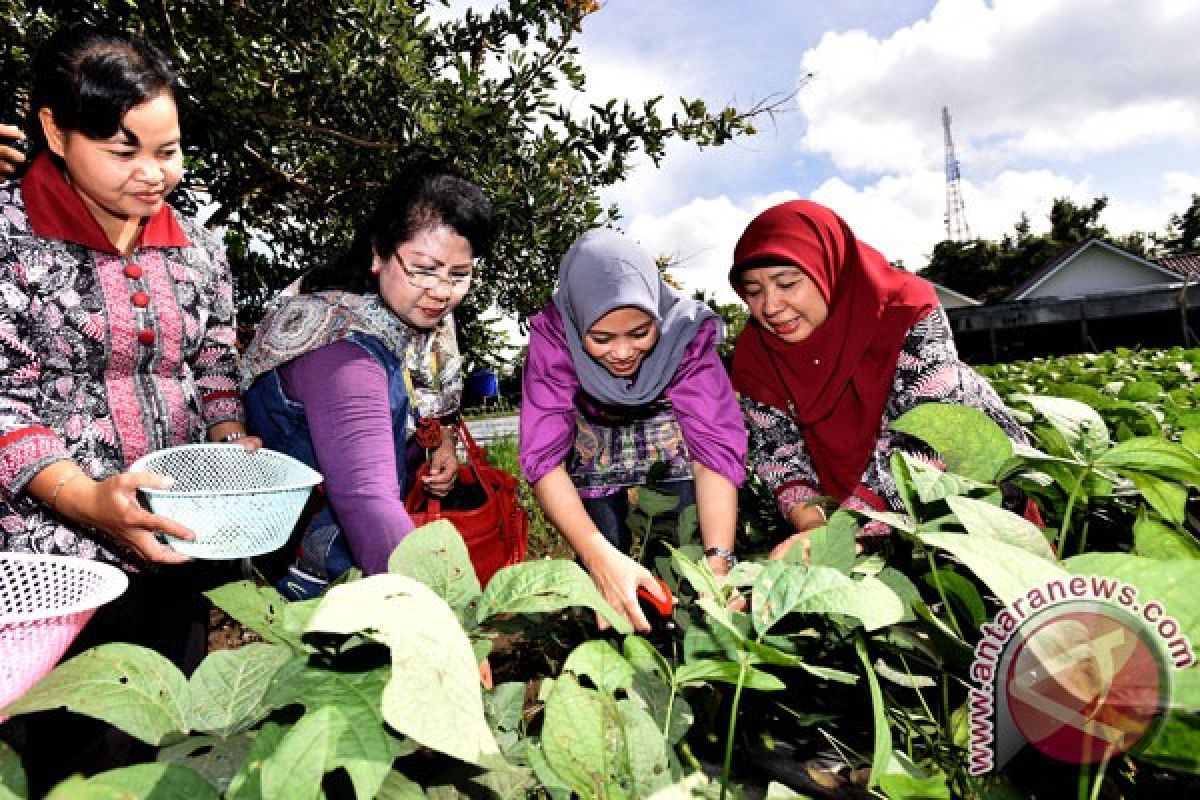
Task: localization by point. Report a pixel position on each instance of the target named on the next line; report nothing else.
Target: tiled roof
(1186, 264)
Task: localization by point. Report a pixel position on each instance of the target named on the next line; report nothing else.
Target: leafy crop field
(849, 676)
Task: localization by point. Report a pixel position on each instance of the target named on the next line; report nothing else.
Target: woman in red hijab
(840, 343)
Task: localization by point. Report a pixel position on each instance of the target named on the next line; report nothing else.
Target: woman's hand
(10, 157)
(802, 538)
(443, 468)
(112, 506)
(618, 577)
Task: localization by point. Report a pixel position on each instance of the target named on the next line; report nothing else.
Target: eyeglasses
(423, 278)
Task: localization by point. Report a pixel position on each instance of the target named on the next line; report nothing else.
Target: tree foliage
(989, 271)
(294, 111)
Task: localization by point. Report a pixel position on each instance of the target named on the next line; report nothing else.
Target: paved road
(484, 430)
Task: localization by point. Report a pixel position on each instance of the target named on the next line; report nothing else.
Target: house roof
(1063, 259)
(971, 301)
(1185, 264)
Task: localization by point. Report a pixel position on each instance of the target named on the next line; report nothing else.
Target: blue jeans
(610, 513)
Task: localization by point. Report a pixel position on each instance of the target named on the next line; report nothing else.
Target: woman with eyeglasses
(352, 355)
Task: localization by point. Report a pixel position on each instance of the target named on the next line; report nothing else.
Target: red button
(133, 271)
(141, 299)
(146, 336)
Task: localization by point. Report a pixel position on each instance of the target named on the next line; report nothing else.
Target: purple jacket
(701, 394)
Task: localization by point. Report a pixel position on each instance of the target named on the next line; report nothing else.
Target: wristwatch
(724, 553)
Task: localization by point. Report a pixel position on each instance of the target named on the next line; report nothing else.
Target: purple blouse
(344, 392)
(702, 397)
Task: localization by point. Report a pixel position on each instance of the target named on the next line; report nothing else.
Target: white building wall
(1095, 270)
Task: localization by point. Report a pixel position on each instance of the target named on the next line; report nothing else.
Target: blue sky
(1049, 98)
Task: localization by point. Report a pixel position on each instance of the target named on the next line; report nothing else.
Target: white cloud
(1046, 79)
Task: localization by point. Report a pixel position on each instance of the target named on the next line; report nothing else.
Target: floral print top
(103, 357)
(927, 371)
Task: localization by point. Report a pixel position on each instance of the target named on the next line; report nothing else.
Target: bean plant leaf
(932, 484)
(1083, 431)
(545, 586)
(1173, 585)
(143, 781)
(599, 661)
(1007, 570)
(822, 590)
(644, 751)
(1166, 497)
(436, 555)
(130, 687)
(247, 783)
(13, 785)
(1152, 539)
(228, 687)
(369, 748)
(967, 439)
(398, 787)
(883, 733)
(433, 665)
(832, 545)
(576, 737)
(654, 503)
(1155, 456)
(960, 592)
(259, 608)
(707, 670)
(652, 684)
(295, 768)
(981, 518)
(217, 759)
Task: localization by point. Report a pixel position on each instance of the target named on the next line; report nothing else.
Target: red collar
(56, 211)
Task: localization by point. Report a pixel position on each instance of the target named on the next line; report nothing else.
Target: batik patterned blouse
(927, 371)
(103, 357)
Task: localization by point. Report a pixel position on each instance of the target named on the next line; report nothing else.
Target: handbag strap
(475, 453)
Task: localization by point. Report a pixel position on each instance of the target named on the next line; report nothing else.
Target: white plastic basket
(238, 503)
(44, 602)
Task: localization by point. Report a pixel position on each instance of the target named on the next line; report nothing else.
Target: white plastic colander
(238, 503)
(44, 602)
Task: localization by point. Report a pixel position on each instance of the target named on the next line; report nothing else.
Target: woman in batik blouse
(116, 339)
(622, 374)
(840, 343)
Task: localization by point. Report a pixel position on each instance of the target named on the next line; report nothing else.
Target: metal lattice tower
(957, 228)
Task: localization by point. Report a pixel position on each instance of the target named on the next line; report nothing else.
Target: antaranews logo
(1079, 668)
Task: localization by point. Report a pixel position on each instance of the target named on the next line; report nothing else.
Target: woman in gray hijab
(622, 374)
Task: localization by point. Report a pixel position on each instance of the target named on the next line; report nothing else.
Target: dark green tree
(1183, 230)
(296, 110)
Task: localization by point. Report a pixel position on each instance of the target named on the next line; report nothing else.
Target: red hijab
(836, 382)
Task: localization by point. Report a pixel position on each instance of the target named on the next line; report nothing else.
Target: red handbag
(497, 531)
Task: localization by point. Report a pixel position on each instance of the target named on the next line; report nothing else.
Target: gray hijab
(604, 270)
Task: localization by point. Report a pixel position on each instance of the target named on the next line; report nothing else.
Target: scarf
(603, 271)
(297, 323)
(836, 382)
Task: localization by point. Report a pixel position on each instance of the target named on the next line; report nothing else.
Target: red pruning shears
(664, 607)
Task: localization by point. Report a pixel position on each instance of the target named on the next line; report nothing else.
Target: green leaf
(142, 781)
(13, 785)
(1007, 570)
(1176, 745)
(968, 440)
(576, 737)
(961, 590)
(821, 590)
(259, 608)
(369, 748)
(397, 787)
(214, 758)
(544, 586)
(832, 545)
(436, 555)
(1082, 429)
(228, 687)
(130, 687)
(599, 661)
(1152, 539)
(655, 503)
(932, 484)
(883, 734)
(247, 783)
(644, 754)
(295, 768)
(981, 518)
(1168, 498)
(1154, 456)
(433, 665)
(727, 672)
(653, 685)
